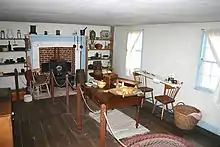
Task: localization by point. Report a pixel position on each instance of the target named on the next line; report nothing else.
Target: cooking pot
(98, 46)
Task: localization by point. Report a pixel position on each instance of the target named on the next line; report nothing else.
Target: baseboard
(209, 127)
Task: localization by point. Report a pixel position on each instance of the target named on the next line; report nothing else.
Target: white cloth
(213, 39)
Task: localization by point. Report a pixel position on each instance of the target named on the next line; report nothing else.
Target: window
(208, 70)
(134, 51)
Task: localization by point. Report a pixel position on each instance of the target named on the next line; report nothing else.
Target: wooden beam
(102, 126)
(67, 94)
(79, 105)
(52, 85)
(16, 84)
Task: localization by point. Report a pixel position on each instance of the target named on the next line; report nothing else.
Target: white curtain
(133, 42)
(213, 38)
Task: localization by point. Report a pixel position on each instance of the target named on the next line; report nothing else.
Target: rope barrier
(106, 118)
(95, 112)
(74, 87)
(57, 82)
(111, 131)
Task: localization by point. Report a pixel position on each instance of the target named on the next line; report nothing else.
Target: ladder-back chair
(143, 85)
(167, 98)
(40, 80)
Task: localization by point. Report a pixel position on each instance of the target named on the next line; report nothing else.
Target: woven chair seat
(40, 79)
(145, 89)
(164, 99)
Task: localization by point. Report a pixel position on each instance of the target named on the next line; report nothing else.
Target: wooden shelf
(12, 63)
(99, 49)
(11, 74)
(99, 59)
(107, 44)
(12, 39)
(102, 39)
(11, 51)
(103, 68)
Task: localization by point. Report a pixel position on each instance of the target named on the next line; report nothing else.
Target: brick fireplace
(63, 53)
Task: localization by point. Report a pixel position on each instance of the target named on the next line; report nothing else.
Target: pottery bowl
(101, 84)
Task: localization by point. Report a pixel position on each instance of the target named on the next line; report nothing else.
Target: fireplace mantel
(40, 41)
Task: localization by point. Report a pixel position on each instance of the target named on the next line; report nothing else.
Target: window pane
(206, 68)
(136, 59)
(208, 55)
(215, 70)
(209, 73)
(213, 82)
(216, 44)
(134, 50)
(205, 81)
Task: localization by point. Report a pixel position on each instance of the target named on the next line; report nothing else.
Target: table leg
(79, 109)
(137, 115)
(102, 126)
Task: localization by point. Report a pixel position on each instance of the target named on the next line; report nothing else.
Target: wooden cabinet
(100, 49)
(6, 133)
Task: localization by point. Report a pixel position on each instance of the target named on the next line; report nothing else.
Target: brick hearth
(65, 53)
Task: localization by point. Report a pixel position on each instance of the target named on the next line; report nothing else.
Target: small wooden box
(110, 79)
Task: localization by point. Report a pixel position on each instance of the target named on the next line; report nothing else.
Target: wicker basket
(182, 117)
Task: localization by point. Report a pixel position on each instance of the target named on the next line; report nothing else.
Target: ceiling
(110, 12)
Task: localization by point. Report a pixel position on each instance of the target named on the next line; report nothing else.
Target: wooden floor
(42, 124)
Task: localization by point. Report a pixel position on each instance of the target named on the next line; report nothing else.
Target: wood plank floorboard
(42, 124)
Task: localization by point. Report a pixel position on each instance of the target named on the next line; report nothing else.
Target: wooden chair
(126, 82)
(167, 98)
(40, 80)
(143, 86)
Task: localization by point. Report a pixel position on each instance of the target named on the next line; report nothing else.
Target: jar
(2, 34)
(18, 34)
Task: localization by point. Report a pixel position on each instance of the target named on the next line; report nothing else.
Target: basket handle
(180, 103)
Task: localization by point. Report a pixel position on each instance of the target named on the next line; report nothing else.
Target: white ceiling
(110, 12)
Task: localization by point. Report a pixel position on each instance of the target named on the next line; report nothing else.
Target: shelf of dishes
(101, 39)
(20, 60)
(99, 59)
(99, 56)
(7, 48)
(90, 67)
(104, 49)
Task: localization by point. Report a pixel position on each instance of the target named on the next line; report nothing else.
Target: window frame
(200, 65)
(141, 51)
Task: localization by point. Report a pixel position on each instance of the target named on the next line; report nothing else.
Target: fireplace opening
(61, 60)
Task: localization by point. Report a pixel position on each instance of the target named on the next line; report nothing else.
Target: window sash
(203, 74)
(134, 50)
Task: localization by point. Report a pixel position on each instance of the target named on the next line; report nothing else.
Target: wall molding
(209, 127)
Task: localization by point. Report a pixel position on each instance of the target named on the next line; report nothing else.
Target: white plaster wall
(173, 48)
(65, 29)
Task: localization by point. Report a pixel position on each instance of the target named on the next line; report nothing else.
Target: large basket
(182, 117)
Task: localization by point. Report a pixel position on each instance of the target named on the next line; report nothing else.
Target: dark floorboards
(42, 124)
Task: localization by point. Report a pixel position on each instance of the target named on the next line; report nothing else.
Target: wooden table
(106, 101)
